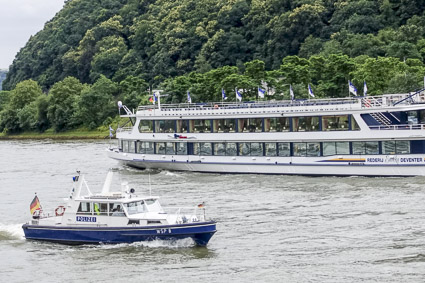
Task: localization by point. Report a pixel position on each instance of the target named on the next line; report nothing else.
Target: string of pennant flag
(261, 93)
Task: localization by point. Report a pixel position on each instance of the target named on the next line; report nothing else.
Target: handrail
(408, 97)
(251, 104)
(124, 129)
(399, 127)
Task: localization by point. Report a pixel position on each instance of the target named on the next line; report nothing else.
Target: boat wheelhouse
(112, 217)
(354, 136)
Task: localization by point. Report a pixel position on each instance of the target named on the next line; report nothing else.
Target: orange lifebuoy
(216, 106)
(60, 210)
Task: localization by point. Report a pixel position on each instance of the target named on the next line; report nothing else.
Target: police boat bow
(116, 217)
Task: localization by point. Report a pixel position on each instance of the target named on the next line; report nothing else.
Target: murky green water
(270, 228)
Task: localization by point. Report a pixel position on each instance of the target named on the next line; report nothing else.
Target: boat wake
(11, 232)
(171, 244)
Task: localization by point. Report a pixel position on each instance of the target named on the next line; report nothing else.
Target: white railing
(398, 127)
(188, 214)
(124, 129)
(251, 104)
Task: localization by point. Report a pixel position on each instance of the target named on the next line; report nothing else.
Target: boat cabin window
(202, 148)
(251, 149)
(165, 126)
(135, 207)
(276, 124)
(270, 148)
(153, 205)
(284, 149)
(165, 148)
(181, 126)
(306, 149)
(116, 209)
(302, 124)
(366, 147)
(145, 147)
(224, 126)
(251, 125)
(335, 123)
(100, 208)
(85, 208)
(200, 126)
(181, 148)
(146, 126)
(395, 147)
(332, 148)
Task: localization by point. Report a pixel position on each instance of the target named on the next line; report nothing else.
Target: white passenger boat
(365, 136)
(115, 217)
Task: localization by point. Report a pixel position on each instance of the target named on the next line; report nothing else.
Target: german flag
(35, 205)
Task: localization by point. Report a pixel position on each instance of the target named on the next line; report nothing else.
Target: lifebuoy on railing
(60, 210)
(215, 106)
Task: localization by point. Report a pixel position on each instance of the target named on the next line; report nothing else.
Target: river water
(270, 228)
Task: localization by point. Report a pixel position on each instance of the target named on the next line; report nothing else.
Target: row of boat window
(116, 209)
(266, 148)
(280, 124)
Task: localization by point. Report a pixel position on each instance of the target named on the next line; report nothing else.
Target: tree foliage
(94, 53)
(161, 39)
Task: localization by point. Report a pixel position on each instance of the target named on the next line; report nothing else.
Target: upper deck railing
(251, 104)
(387, 100)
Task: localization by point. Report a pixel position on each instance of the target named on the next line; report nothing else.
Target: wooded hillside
(158, 39)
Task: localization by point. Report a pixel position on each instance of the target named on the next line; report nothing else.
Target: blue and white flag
(364, 89)
(189, 99)
(310, 91)
(223, 94)
(261, 92)
(291, 92)
(154, 98)
(352, 88)
(238, 95)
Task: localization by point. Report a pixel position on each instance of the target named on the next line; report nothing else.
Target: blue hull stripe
(199, 232)
(332, 163)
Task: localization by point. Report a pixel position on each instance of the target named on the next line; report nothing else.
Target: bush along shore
(77, 134)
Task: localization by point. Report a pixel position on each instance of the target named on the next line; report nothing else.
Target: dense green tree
(4, 99)
(20, 112)
(96, 103)
(62, 102)
(132, 90)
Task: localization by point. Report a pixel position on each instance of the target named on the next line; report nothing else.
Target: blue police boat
(112, 217)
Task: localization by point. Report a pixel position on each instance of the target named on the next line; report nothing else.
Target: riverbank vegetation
(94, 53)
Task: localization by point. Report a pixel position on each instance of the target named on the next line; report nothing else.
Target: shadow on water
(130, 255)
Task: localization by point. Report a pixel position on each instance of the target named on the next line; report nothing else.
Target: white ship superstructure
(366, 136)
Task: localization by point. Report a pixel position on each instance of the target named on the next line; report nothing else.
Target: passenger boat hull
(313, 166)
(200, 232)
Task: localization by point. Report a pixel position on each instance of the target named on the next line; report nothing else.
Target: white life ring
(60, 210)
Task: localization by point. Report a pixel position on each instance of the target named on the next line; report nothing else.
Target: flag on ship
(352, 88)
(223, 94)
(35, 205)
(176, 136)
(261, 92)
(310, 91)
(238, 95)
(153, 98)
(364, 88)
(189, 99)
(291, 92)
